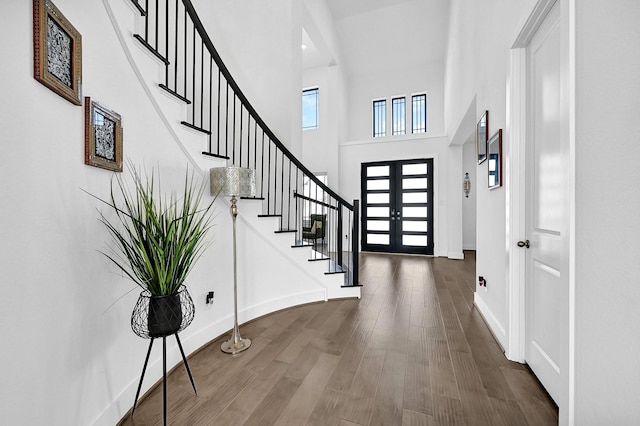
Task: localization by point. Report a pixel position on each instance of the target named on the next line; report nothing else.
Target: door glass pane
(378, 225)
(378, 198)
(414, 226)
(414, 212)
(414, 169)
(378, 239)
(414, 240)
(415, 183)
(373, 171)
(377, 211)
(378, 184)
(414, 197)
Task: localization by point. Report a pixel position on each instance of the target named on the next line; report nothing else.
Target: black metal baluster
(289, 199)
(262, 167)
(175, 65)
(275, 183)
(193, 77)
(282, 192)
(166, 42)
(146, 21)
(298, 225)
(226, 124)
(156, 28)
(248, 139)
(218, 132)
(339, 234)
(354, 241)
(255, 145)
(210, 102)
(269, 181)
(233, 140)
(240, 137)
(201, 84)
(185, 54)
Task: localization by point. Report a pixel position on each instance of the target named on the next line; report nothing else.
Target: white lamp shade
(233, 180)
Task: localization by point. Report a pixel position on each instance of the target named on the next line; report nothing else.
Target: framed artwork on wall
(482, 136)
(102, 136)
(494, 153)
(57, 52)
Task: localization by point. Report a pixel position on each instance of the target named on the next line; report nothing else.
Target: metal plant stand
(170, 321)
(164, 375)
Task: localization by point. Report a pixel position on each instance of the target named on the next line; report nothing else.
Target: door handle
(524, 243)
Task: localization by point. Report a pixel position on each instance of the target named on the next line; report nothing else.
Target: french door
(397, 206)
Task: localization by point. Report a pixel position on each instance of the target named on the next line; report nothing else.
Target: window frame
(423, 113)
(317, 107)
(399, 117)
(379, 123)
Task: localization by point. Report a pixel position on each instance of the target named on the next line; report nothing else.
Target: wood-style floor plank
(413, 351)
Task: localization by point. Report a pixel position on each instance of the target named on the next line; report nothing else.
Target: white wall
(66, 314)
(607, 294)
(364, 88)
(260, 44)
(469, 163)
(352, 155)
(320, 146)
(604, 312)
(476, 79)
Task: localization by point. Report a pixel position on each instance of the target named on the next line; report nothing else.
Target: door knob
(524, 243)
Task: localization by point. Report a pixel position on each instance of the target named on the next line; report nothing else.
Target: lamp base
(232, 347)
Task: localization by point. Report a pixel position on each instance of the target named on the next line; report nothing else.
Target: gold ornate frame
(102, 136)
(57, 52)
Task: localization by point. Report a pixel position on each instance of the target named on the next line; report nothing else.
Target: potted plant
(157, 240)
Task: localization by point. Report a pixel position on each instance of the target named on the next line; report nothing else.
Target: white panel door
(547, 216)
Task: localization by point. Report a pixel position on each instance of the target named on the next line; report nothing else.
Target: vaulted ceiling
(383, 34)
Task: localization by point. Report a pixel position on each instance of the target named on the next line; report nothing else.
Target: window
(379, 118)
(419, 113)
(310, 109)
(398, 113)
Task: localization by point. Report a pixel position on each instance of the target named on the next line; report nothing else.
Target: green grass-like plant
(157, 238)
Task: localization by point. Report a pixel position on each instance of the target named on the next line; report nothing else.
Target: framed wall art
(57, 52)
(102, 136)
(482, 136)
(494, 153)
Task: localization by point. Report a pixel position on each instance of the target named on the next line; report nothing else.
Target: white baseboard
(496, 328)
(455, 255)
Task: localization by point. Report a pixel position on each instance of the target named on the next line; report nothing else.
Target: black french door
(397, 206)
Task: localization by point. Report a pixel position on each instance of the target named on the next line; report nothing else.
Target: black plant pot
(160, 316)
(165, 315)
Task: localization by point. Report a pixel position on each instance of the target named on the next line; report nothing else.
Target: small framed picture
(495, 160)
(102, 136)
(57, 52)
(482, 134)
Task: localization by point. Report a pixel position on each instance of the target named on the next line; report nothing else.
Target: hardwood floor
(413, 351)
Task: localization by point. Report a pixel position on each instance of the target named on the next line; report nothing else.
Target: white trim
(515, 168)
(568, 17)
(515, 190)
(395, 138)
(496, 328)
(456, 255)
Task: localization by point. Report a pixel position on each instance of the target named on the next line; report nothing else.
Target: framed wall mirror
(494, 148)
(482, 133)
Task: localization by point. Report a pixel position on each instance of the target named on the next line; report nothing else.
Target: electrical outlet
(482, 282)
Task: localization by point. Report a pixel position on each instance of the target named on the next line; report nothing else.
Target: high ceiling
(384, 34)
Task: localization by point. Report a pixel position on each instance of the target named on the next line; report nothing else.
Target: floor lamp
(234, 182)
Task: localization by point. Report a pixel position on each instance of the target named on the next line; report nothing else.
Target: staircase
(214, 123)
